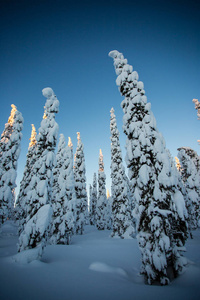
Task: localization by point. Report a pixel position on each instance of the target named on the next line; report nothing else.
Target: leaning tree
(159, 203)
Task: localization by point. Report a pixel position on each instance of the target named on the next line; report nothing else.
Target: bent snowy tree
(160, 206)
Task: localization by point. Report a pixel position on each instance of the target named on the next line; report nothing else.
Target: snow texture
(108, 268)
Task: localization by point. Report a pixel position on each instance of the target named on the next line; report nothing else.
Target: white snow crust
(94, 266)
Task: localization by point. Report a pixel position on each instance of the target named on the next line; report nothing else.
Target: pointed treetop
(178, 165)
(32, 139)
(70, 142)
(78, 136)
(112, 111)
(61, 141)
(12, 114)
(101, 164)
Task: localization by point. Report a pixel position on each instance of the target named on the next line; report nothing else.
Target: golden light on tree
(70, 142)
(108, 193)
(33, 140)
(178, 165)
(78, 136)
(101, 164)
(12, 114)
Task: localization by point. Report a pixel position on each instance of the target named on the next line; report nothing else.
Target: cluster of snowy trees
(157, 202)
(52, 204)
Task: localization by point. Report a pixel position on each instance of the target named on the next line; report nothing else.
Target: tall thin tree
(80, 186)
(93, 200)
(121, 209)
(101, 208)
(22, 202)
(9, 154)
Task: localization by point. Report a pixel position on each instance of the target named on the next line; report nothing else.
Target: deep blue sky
(65, 45)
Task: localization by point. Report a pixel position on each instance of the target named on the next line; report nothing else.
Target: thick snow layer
(105, 268)
(28, 256)
(94, 266)
(47, 92)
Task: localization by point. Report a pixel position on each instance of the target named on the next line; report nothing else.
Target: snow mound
(102, 267)
(9, 228)
(27, 256)
(47, 92)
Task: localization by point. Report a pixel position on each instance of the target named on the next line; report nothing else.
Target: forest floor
(93, 267)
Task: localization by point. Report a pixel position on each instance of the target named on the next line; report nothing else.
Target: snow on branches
(162, 228)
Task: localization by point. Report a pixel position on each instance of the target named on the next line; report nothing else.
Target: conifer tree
(121, 210)
(71, 182)
(9, 154)
(22, 200)
(64, 199)
(90, 203)
(109, 216)
(197, 107)
(57, 201)
(189, 161)
(101, 208)
(80, 187)
(159, 202)
(93, 200)
(38, 220)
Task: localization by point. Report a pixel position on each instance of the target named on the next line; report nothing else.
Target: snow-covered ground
(93, 267)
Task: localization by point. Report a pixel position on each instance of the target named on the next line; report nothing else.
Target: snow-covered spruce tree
(9, 154)
(93, 201)
(90, 203)
(57, 201)
(80, 187)
(101, 208)
(109, 216)
(72, 194)
(197, 107)
(159, 203)
(39, 210)
(121, 210)
(68, 226)
(65, 198)
(22, 200)
(190, 175)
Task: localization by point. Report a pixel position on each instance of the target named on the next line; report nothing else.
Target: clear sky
(64, 45)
